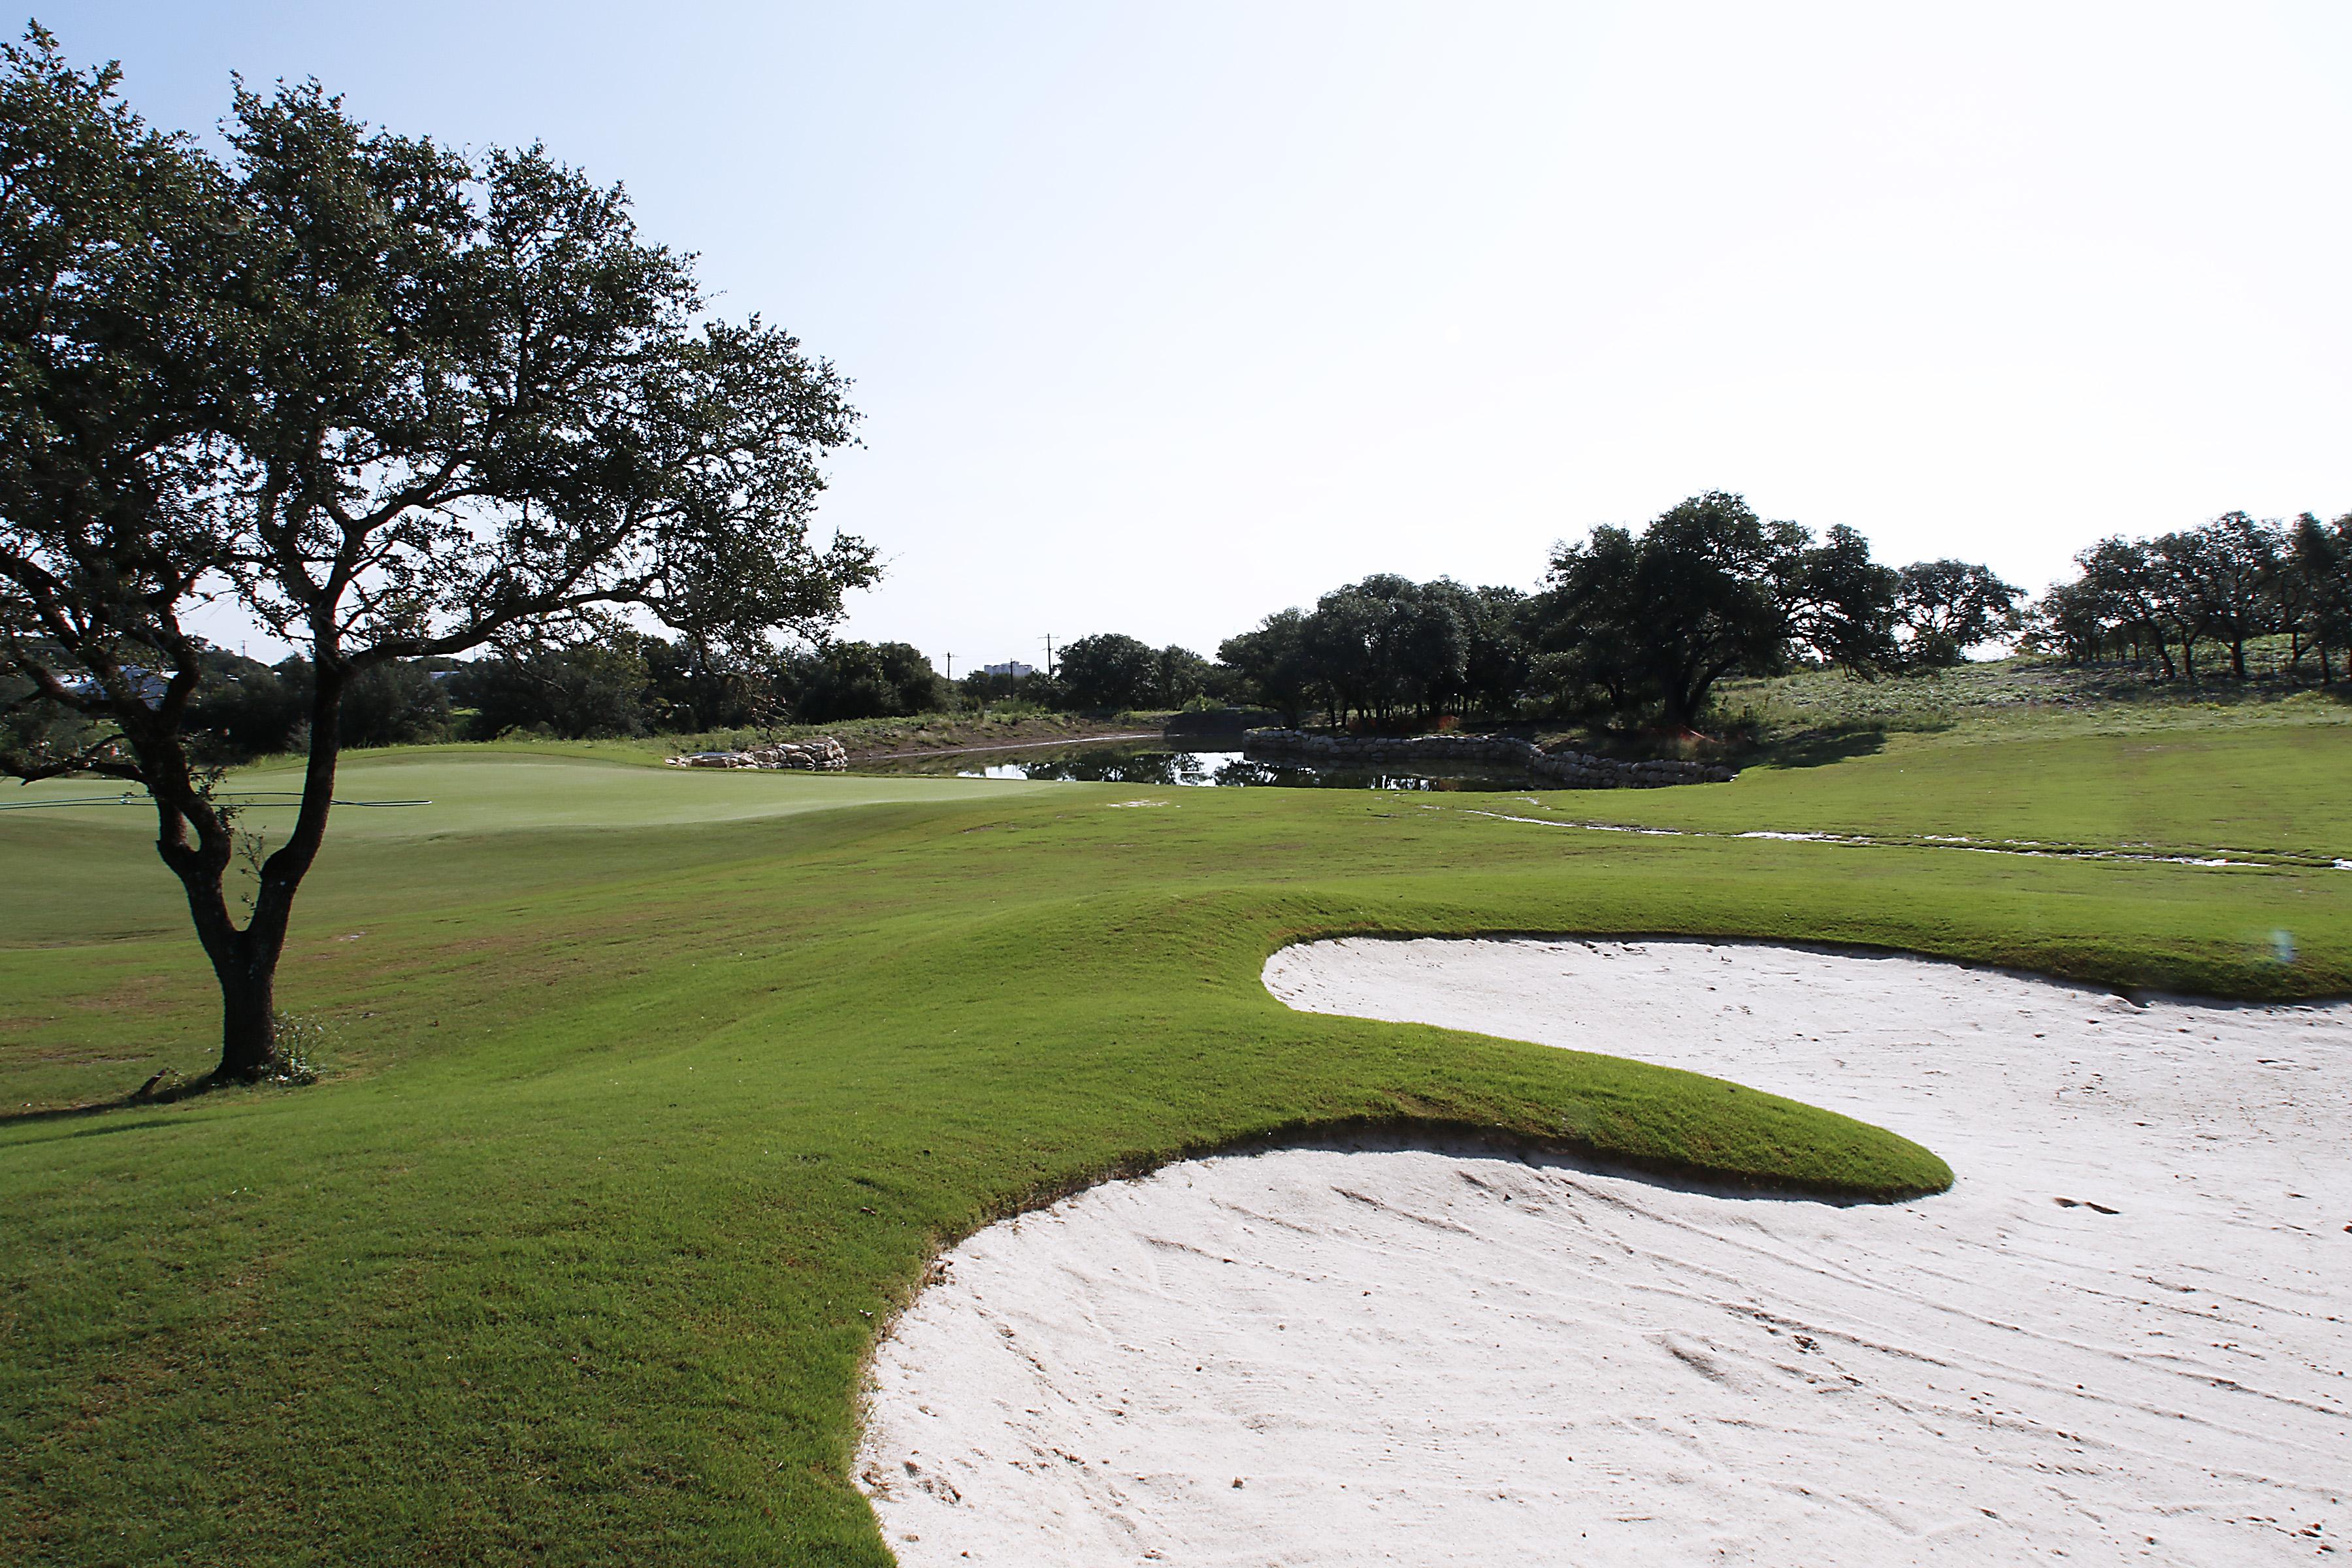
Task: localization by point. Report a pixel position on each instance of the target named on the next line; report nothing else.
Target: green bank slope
(653, 1093)
(2173, 784)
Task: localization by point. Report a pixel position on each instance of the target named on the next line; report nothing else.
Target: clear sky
(1167, 316)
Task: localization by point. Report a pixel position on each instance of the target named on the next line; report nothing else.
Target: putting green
(435, 792)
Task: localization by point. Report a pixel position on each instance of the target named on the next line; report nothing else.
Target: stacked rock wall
(823, 755)
(1580, 770)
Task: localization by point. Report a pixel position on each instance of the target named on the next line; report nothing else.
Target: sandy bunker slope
(2121, 1336)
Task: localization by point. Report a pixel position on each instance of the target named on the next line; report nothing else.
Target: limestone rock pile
(823, 755)
(1580, 770)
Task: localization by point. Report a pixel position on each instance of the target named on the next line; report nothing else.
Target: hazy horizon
(1165, 320)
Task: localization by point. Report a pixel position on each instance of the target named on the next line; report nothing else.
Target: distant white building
(1016, 669)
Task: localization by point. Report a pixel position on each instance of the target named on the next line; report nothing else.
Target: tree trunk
(2238, 659)
(245, 962)
(248, 1017)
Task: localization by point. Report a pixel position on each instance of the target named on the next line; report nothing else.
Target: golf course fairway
(650, 1096)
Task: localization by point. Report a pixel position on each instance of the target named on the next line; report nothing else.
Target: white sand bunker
(2121, 1335)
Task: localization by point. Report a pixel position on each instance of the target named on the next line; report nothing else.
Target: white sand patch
(1420, 1356)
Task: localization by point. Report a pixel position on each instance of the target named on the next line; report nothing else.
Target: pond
(1158, 765)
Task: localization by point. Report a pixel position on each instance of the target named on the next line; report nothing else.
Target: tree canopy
(1108, 671)
(1387, 648)
(1654, 619)
(1946, 607)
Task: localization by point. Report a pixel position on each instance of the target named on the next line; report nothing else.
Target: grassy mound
(653, 1093)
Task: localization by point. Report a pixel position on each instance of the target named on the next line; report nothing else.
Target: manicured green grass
(441, 791)
(2180, 787)
(655, 1092)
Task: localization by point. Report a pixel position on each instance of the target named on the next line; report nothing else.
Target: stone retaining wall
(1578, 769)
(823, 755)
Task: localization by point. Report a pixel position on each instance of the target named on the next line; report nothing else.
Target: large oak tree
(389, 399)
(1651, 621)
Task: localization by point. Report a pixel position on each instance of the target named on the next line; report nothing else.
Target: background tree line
(1628, 628)
(2155, 603)
(627, 684)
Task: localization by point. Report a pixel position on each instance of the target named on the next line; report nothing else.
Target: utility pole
(1049, 656)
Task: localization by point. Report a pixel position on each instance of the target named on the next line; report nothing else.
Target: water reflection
(1221, 769)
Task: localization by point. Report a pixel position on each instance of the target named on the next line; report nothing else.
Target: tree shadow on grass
(166, 1088)
(1818, 747)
